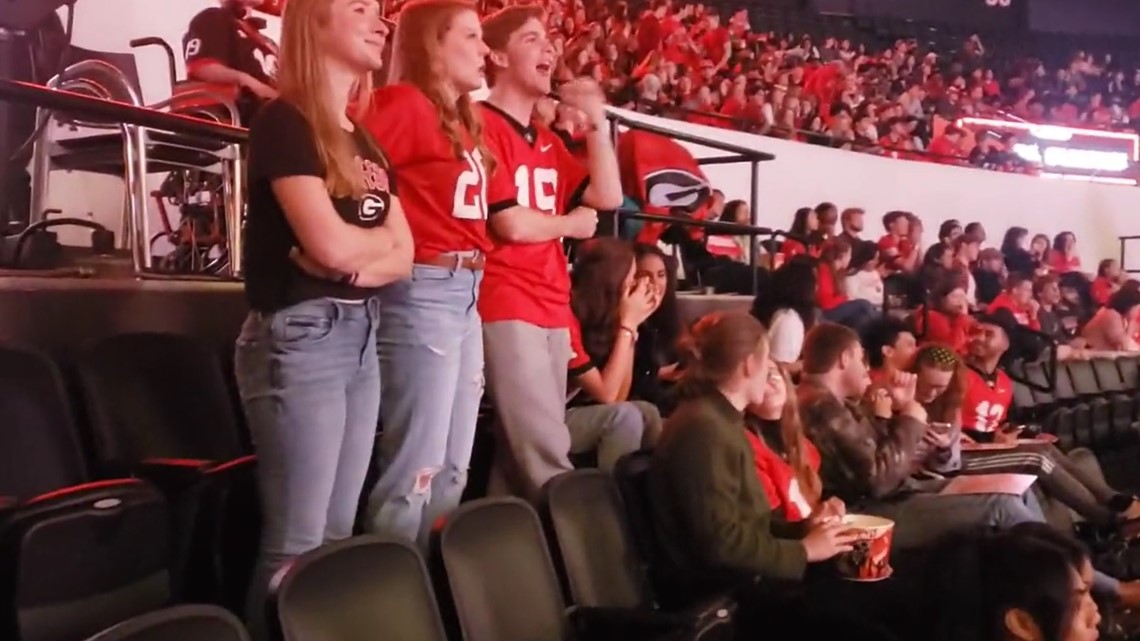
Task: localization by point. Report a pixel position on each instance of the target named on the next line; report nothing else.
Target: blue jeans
(310, 384)
(855, 313)
(431, 357)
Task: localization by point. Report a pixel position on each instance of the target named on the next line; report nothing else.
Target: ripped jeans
(431, 359)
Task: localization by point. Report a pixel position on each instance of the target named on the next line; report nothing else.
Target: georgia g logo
(374, 207)
(669, 188)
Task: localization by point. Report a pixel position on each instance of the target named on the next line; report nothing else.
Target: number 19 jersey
(444, 196)
(528, 282)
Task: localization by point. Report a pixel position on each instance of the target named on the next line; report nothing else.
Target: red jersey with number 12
(528, 282)
(987, 400)
(444, 196)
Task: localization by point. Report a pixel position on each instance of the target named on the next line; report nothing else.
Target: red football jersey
(580, 362)
(444, 197)
(987, 401)
(528, 282)
(779, 479)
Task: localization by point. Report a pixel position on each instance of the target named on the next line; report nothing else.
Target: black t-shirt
(281, 145)
(218, 34)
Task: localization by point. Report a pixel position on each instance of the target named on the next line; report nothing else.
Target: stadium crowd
(857, 91)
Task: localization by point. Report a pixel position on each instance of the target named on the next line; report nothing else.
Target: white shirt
(786, 336)
(867, 285)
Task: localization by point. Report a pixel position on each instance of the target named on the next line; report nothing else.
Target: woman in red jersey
(430, 340)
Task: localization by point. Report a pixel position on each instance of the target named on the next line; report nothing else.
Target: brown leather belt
(456, 261)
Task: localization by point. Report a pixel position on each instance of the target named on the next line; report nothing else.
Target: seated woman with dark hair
(831, 288)
(610, 304)
(1026, 584)
(655, 358)
(787, 307)
(1113, 328)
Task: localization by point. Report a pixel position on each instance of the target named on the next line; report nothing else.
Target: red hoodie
(953, 332)
(827, 292)
(1024, 316)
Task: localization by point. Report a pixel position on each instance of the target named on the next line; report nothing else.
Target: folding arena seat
(497, 582)
(1057, 419)
(361, 589)
(180, 623)
(159, 408)
(1123, 400)
(601, 565)
(1087, 390)
(76, 555)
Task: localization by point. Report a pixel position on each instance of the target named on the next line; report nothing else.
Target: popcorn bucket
(871, 558)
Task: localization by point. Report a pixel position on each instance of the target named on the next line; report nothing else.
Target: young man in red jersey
(989, 390)
(538, 195)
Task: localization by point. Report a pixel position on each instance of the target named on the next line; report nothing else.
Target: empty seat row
(131, 493)
(1093, 404)
(491, 576)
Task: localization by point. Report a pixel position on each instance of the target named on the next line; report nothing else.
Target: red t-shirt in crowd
(827, 293)
(1062, 264)
(444, 197)
(715, 44)
(1023, 316)
(1100, 290)
(895, 249)
(779, 479)
(649, 34)
(580, 361)
(941, 328)
(528, 282)
(987, 401)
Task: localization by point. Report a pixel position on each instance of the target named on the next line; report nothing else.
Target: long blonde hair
(300, 81)
(420, 28)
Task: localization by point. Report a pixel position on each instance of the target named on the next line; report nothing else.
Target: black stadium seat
(362, 589)
(159, 408)
(490, 559)
(601, 565)
(76, 555)
(1088, 391)
(180, 623)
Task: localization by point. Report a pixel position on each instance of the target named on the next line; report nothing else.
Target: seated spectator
(655, 359)
(610, 304)
(1027, 584)
(895, 248)
(936, 265)
(709, 508)
(864, 280)
(786, 461)
(988, 275)
(699, 523)
(943, 387)
(948, 231)
(1018, 260)
(1047, 293)
(966, 249)
(851, 220)
(946, 319)
(1018, 299)
(787, 307)
(976, 230)
(890, 347)
(1108, 279)
(1064, 258)
(805, 224)
(1039, 251)
(831, 288)
(947, 148)
(1113, 327)
(868, 445)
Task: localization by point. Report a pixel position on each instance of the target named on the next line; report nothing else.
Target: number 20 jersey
(444, 197)
(528, 282)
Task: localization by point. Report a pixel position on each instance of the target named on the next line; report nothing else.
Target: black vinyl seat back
(632, 476)
(1108, 375)
(490, 555)
(1083, 378)
(39, 446)
(180, 623)
(361, 589)
(1130, 372)
(1035, 375)
(154, 396)
(586, 518)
